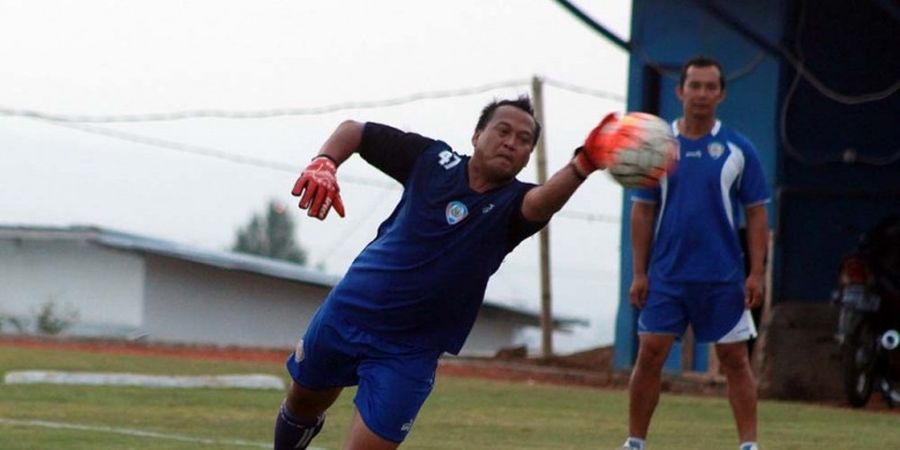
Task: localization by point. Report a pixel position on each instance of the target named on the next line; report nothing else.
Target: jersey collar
(713, 132)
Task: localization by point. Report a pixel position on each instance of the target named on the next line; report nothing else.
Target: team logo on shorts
(456, 212)
(298, 352)
(715, 150)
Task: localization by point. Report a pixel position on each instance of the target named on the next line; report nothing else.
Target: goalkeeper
(414, 292)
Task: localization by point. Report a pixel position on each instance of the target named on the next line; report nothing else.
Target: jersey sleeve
(753, 189)
(392, 151)
(521, 228)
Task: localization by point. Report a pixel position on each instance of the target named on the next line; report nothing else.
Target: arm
(343, 142)
(390, 150)
(542, 202)
(318, 182)
(757, 242)
(642, 214)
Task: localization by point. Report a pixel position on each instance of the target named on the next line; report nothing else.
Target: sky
(197, 180)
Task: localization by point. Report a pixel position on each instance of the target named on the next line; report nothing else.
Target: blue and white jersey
(421, 281)
(699, 208)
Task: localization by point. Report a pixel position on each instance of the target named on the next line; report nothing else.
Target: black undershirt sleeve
(392, 151)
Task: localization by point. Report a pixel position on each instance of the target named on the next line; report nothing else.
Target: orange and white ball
(640, 150)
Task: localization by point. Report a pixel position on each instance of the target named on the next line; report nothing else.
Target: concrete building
(128, 286)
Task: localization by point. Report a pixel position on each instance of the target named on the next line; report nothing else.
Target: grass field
(461, 414)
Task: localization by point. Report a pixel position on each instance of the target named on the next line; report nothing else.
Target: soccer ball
(641, 150)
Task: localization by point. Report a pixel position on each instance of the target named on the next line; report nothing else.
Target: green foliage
(270, 234)
(17, 323)
(51, 320)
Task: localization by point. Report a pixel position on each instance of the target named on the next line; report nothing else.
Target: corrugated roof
(132, 242)
(221, 259)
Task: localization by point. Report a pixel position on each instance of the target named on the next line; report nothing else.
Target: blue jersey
(699, 206)
(421, 281)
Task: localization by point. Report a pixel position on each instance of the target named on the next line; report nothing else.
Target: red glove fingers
(594, 153)
(319, 188)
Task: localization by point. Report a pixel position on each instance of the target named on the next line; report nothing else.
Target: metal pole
(544, 236)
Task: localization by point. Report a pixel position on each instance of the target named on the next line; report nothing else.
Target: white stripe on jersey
(731, 174)
(663, 190)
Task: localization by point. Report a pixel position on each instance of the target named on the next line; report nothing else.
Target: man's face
(503, 147)
(701, 92)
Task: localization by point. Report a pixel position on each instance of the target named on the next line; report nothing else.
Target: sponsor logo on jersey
(715, 150)
(487, 208)
(298, 351)
(456, 212)
(693, 154)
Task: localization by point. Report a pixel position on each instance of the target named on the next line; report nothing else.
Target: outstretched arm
(318, 182)
(542, 202)
(343, 141)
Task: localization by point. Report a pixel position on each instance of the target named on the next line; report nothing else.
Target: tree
(271, 235)
(51, 320)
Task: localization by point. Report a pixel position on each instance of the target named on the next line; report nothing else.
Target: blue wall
(831, 156)
(666, 33)
(852, 49)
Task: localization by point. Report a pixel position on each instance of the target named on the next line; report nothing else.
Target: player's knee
(651, 359)
(733, 360)
(296, 405)
(309, 404)
(652, 354)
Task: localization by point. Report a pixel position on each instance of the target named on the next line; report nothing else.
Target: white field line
(138, 433)
(246, 381)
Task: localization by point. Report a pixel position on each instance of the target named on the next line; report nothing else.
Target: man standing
(414, 292)
(688, 267)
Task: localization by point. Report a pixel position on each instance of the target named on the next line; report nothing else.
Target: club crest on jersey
(456, 212)
(715, 150)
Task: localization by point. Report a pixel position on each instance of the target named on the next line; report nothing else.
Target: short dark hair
(523, 103)
(701, 61)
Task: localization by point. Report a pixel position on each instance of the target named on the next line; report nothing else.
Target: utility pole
(537, 97)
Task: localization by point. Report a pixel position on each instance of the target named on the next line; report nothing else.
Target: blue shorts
(394, 379)
(712, 309)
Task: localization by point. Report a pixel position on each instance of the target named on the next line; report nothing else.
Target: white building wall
(105, 287)
(118, 292)
(194, 303)
(489, 335)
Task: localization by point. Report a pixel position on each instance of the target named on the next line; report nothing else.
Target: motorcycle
(868, 329)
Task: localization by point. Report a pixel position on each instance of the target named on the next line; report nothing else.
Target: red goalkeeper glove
(318, 185)
(594, 153)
